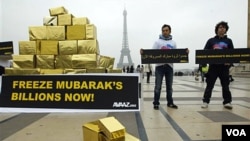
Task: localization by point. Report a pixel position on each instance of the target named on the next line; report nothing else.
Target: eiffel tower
(125, 49)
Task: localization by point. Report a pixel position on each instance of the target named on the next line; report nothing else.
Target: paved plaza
(187, 123)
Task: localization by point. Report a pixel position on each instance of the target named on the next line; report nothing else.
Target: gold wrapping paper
(91, 32)
(55, 33)
(21, 71)
(106, 62)
(50, 21)
(84, 61)
(80, 21)
(96, 70)
(49, 47)
(63, 61)
(129, 137)
(65, 19)
(23, 61)
(88, 47)
(45, 61)
(91, 131)
(74, 71)
(76, 32)
(104, 138)
(27, 47)
(117, 70)
(38, 46)
(51, 71)
(37, 33)
(68, 47)
(111, 128)
(57, 11)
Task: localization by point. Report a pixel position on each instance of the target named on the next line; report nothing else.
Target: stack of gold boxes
(64, 44)
(106, 129)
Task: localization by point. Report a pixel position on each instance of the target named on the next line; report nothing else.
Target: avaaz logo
(123, 104)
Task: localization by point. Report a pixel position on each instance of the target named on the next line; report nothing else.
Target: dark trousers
(2, 70)
(214, 72)
(148, 77)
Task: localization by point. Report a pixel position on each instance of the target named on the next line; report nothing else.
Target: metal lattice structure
(125, 47)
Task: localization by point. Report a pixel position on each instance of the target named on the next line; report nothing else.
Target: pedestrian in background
(203, 69)
(131, 69)
(142, 71)
(231, 71)
(128, 69)
(138, 69)
(148, 70)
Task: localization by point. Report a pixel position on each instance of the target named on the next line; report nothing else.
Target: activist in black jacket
(220, 41)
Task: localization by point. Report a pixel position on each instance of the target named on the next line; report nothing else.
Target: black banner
(71, 92)
(239, 55)
(6, 48)
(154, 56)
(235, 132)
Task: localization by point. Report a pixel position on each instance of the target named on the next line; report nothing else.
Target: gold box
(51, 71)
(76, 32)
(106, 62)
(129, 137)
(55, 33)
(117, 70)
(38, 46)
(23, 61)
(21, 71)
(68, 47)
(91, 131)
(49, 47)
(65, 19)
(91, 32)
(80, 20)
(74, 71)
(88, 47)
(83, 61)
(37, 33)
(57, 11)
(104, 138)
(96, 70)
(27, 47)
(112, 128)
(50, 21)
(63, 61)
(45, 61)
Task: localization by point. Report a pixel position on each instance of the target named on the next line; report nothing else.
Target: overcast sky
(192, 22)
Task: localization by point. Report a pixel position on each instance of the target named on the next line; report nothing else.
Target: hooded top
(164, 43)
(219, 43)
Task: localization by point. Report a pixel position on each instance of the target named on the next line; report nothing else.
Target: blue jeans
(160, 72)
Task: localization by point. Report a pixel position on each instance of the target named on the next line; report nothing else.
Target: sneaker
(228, 106)
(156, 107)
(172, 106)
(204, 105)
